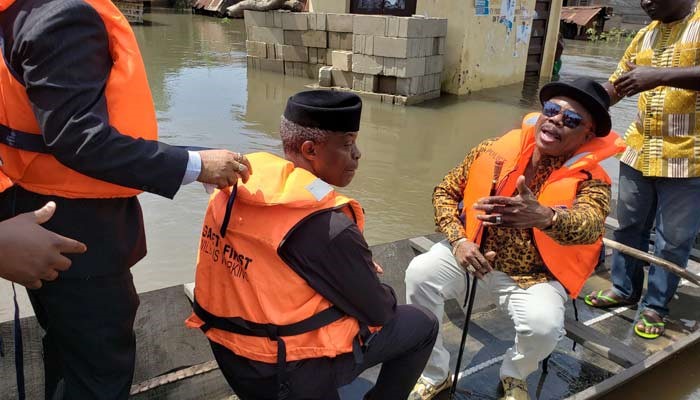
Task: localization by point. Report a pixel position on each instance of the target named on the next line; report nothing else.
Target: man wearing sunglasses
(660, 168)
(535, 242)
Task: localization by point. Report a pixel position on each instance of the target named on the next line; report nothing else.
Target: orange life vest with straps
(25, 157)
(570, 264)
(246, 297)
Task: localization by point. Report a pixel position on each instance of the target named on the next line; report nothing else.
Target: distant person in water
(286, 289)
(557, 57)
(660, 168)
(532, 245)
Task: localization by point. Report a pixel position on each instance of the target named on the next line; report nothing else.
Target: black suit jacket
(59, 50)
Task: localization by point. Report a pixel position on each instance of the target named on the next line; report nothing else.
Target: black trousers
(403, 346)
(89, 345)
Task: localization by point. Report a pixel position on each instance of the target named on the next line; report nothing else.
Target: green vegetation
(614, 35)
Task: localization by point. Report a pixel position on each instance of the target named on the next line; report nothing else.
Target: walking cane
(471, 293)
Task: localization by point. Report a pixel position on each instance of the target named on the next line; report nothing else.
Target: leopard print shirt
(518, 257)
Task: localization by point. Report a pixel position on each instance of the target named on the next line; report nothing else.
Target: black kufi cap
(325, 109)
(589, 93)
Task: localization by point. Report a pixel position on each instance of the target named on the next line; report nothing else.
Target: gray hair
(294, 135)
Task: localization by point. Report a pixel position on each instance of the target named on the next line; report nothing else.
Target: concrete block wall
(390, 59)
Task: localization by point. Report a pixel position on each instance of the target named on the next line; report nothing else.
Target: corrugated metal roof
(580, 15)
(209, 5)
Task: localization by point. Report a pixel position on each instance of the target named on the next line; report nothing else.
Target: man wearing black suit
(59, 50)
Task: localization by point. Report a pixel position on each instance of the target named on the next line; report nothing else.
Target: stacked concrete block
(342, 60)
(317, 21)
(339, 22)
(292, 53)
(256, 49)
(406, 53)
(325, 77)
(343, 79)
(397, 60)
(294, 43)
(318, 39)
(365, 82)
(340, 40)
(318, 56)
(365, 64)
(295, 21)
(302, 69)
(371, 25)
(267, 35)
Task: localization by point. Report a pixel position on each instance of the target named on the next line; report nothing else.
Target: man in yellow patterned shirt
(660, 169)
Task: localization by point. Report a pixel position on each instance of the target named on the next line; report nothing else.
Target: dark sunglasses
(571, 119)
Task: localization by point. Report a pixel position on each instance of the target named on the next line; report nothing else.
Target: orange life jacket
(570, 264)
(25, 156)
(242, 281)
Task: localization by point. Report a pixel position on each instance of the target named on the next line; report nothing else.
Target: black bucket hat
(325, 109)
(589, 93)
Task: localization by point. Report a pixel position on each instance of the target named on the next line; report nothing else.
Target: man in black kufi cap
(286, 288)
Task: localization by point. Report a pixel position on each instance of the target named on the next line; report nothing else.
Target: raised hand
(223, 168)
(522, 211)
(31, 253)
(638, 79)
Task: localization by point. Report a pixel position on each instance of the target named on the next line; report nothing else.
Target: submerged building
(489, 43)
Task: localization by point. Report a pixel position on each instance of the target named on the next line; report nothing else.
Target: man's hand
(378, 268)
(470, 258)
(638, 79)
(522, 211)
(223, 168)
(31, 253)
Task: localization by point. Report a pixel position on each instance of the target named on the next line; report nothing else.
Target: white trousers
(537, 312)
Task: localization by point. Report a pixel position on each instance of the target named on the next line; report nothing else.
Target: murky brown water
(205, 96)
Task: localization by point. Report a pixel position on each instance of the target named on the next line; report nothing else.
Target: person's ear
(308, 150)
(590, 135)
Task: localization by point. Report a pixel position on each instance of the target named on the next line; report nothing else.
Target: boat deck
(174, 362)
(607, 352)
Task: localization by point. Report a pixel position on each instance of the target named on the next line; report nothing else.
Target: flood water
(205, 96)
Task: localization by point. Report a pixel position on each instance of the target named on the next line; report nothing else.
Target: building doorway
(538, 36)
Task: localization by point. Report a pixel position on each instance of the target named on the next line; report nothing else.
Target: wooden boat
(174, 362)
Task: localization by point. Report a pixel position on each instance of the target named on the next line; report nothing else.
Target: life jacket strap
(22, 140)
(248, 328)
(271, 331)
(229, 209)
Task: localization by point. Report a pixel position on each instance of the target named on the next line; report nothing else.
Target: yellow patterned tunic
(517, 256)
(664, 140)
